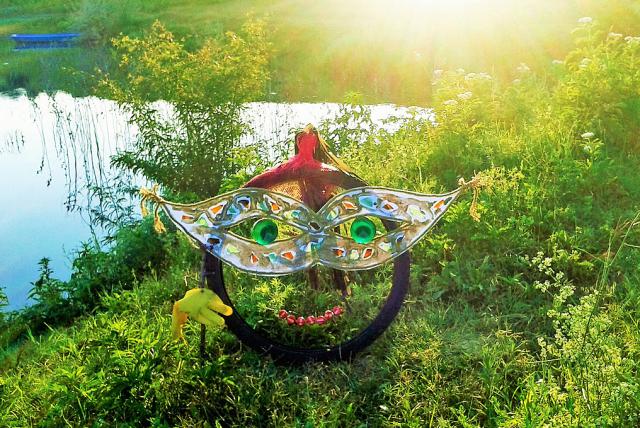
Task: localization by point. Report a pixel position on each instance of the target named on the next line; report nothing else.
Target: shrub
(137, 250)
(50, 295)
(4, 302)
(100, 20)
(188, 145)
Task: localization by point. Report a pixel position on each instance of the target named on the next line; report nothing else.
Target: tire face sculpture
(316, 195)
(295, 355)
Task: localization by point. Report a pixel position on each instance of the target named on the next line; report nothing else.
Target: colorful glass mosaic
(318, 241)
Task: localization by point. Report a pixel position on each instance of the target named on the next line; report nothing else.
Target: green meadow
(528, 317)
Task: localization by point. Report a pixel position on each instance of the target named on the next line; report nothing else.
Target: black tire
(293, 355)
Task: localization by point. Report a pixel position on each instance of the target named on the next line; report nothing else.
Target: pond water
(51, 147)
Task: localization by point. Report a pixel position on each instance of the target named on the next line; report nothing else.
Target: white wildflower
(615, 35)
(460, 70)
(438, 72)
(485, 76)
(470, 76)
(516, 81)
(587, 135)
(584, 63)
(632, 39)
(450, 103)
(585, 20)
(465, 95)
(557, 62)
(523, 68)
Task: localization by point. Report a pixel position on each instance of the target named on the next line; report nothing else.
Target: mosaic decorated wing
(413, 213)
(317, 240)
(209, 223)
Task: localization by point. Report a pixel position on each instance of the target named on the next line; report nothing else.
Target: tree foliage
(188, 143)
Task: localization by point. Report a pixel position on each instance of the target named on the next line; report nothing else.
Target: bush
(100, 20)
(50, 295)
(4, 302)
(137, 250)
(191, 144)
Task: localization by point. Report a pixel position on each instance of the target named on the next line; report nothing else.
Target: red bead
(320, 320)
(311, 319)
(283, 314)
(328, 315)
(300, 321)
(291, 320)
(337, 310)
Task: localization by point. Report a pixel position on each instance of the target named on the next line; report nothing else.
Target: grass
(433, 355)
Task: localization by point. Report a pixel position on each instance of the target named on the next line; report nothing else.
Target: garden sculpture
(316, 195)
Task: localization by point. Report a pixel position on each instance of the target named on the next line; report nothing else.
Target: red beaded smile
(300, 321)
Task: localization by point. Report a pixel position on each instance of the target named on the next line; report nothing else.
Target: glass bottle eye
(264, 231)
(363, 230)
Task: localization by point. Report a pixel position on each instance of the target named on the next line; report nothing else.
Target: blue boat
(44, 41)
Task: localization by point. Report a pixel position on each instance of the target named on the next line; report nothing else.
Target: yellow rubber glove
(200, 304)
